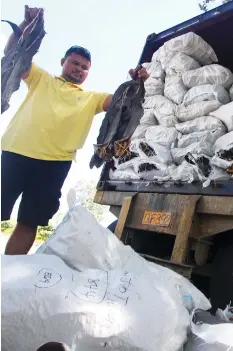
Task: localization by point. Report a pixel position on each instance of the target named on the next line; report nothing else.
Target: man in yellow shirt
(42, 138)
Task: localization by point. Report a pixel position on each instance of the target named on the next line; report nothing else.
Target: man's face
(75, 68)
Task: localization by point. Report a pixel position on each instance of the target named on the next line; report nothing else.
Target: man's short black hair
(80, 51)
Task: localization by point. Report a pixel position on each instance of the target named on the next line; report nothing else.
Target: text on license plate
(161, 219)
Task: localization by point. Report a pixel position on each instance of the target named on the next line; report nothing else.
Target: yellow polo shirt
(54, 119)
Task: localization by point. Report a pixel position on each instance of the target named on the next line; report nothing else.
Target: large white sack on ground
(206, 92)
(148, 117)
(44, 300)
(153, 87)
(154, 69)
(209, 336)
(199, 124)
(162, 153)
(84, 243)
(198, 109)
(209, 136)
(225, 114)
(162, 135)
(79, 238)
(231, 92)
(129, 308)
(192, 45)
(174, 89)
(199, 148)
(212, 74)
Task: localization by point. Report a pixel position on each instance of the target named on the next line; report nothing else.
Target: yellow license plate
(161, 219)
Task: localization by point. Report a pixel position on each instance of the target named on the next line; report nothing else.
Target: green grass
(43, 233)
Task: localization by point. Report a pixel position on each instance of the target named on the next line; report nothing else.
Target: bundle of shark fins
(120, 122)
(18, 59)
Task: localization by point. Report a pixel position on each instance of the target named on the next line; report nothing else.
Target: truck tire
(221, 287)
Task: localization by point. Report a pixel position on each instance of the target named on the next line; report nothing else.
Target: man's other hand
(30, 13)
(139, 74)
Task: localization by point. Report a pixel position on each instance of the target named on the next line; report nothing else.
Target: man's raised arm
(29, 16)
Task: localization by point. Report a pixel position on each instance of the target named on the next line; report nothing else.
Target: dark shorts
(38, 181)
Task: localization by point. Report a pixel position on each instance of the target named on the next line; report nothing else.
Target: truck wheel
(221, 288)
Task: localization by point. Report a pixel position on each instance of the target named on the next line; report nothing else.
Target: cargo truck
(182, 226)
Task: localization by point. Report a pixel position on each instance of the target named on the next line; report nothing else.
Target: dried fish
(119, 123)
(18, 59)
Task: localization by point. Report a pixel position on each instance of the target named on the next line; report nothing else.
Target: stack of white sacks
(188, 110)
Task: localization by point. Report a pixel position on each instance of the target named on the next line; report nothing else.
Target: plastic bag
(198, 109)
(192, 45)
(162, 153)
(199, 148)
(43, 299)
(149, 103)
(154, 87)
(162, 135)
(148, 117)
(126, 174)
(209, 136)
(176, 62)
(84, 243)
(164, 111)
(216, 174)
(223, 157)
(154, 69)
(185, 172)
(175, 89)
(231, 92)
(212, 74)
(209, 334)
(225, 114)
(158, 175)
(140, 131)
(206, 92)
(225, 142)
(199, 124)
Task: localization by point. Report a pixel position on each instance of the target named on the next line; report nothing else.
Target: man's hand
(136, 74)
(30, 13)
(139, 74)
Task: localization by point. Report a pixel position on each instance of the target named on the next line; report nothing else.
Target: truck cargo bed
(215, 27)
(219, 188)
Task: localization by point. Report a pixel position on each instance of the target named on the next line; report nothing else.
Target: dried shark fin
(17, 31)
(18, 59)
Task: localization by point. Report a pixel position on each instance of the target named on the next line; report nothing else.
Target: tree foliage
(204, 6)
(85, 192)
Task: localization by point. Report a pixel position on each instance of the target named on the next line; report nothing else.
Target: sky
(115, 33)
